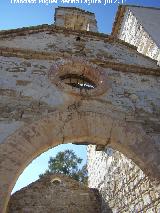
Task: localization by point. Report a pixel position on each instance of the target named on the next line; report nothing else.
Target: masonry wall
(133, 32)
(28, 95)
(75, 19)
(27, 56)
(49, 195)
(121, 183)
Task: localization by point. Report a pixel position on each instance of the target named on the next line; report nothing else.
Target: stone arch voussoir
(20, 148)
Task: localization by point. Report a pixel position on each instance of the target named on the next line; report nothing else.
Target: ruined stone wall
(27, 94)
(76, 19)
(47, 40)
(25, 61)
(38, 113)
(133, 32)
(121, 182)
(55, 193)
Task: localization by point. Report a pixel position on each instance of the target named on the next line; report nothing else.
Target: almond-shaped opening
(78, 81)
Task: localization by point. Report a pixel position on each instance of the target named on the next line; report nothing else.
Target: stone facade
(60, 85)
(122, 184)
(75, 19)
(110, 171)
(140, 27)
(55, 193)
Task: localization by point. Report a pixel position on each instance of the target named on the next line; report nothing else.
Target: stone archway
(69, 126)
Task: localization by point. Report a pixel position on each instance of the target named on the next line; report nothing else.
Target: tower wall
(75, 19)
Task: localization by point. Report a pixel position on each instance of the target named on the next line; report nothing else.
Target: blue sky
(20, 15)
(14, 15)
(40, 164)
